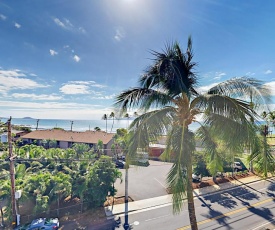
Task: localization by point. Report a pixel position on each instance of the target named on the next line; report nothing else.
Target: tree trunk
(58, 206)
(2, 216)
(190, 199)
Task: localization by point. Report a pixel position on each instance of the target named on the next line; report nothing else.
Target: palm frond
(214, 158)
(177, 182)
(234, 132)
(141, 97)
(148, 127)
(244, 87)
(182, 145)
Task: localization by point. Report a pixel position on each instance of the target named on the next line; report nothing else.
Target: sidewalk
(142, 205)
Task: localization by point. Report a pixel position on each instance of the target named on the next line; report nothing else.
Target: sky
(69, 59)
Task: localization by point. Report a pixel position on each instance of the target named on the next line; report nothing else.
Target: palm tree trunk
(190, 199)
(189, 189)
(106, 125)
(113, 124)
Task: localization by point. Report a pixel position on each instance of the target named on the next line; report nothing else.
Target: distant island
(27, 118)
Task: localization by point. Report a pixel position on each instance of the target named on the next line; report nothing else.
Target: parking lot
(145, 182)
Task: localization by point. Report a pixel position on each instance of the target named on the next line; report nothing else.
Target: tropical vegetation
(169, 101)
(48, 176)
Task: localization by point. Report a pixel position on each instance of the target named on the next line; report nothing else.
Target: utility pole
(72, 122)
(126, 225)
(37, 121)
(12, 176)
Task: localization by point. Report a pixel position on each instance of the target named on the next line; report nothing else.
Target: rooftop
(90, 137)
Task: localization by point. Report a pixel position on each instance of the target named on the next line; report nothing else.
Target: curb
(195, 196)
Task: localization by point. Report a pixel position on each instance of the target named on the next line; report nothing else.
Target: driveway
(145, 182)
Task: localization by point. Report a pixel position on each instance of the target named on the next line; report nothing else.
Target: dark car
(196, 177)
(120, 164)
(40, 224)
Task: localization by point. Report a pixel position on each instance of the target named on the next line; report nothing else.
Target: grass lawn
(271, 140)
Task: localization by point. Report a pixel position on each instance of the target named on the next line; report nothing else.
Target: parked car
(41, 223)
(120, 164)
(196, 177)
(237, 166)
(23, 227)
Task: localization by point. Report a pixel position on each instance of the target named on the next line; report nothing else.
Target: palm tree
(97, 128)
(105, 117)
(169, 102)
(80, 149)
(112, 115)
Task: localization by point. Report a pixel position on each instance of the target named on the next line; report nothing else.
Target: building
(14, 133)
(65, 139)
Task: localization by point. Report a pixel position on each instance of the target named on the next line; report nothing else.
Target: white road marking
(160, 183)
(157, 217)
(269, 222)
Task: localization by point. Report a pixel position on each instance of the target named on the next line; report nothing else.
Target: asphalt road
(145, 182)
(249, 207)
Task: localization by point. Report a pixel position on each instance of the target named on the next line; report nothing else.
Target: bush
(138, 163)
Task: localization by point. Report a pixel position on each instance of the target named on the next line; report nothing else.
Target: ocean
(78, 125)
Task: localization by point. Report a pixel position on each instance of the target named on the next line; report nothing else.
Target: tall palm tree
(112, 115)
(169, 102)
(105, 117)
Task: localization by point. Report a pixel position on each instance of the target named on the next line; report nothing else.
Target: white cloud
(59, 23)
(81, 87)
(16, 79)
(53, 110)
(53, 52)
(107, 97)
(66, 24)
(81, 82)
(3, 17)
(249, 74)
(268, 71)
(91, 83)
(82, 30)
(120, 33)
(76, 58)
(74, 89)
(17, 25)
(271, 86)
(218, 75)
(51, 97)
(204, 89)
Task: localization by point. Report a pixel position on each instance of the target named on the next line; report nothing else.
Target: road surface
(249, 207)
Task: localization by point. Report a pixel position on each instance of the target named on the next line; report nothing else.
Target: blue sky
(68, 59)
